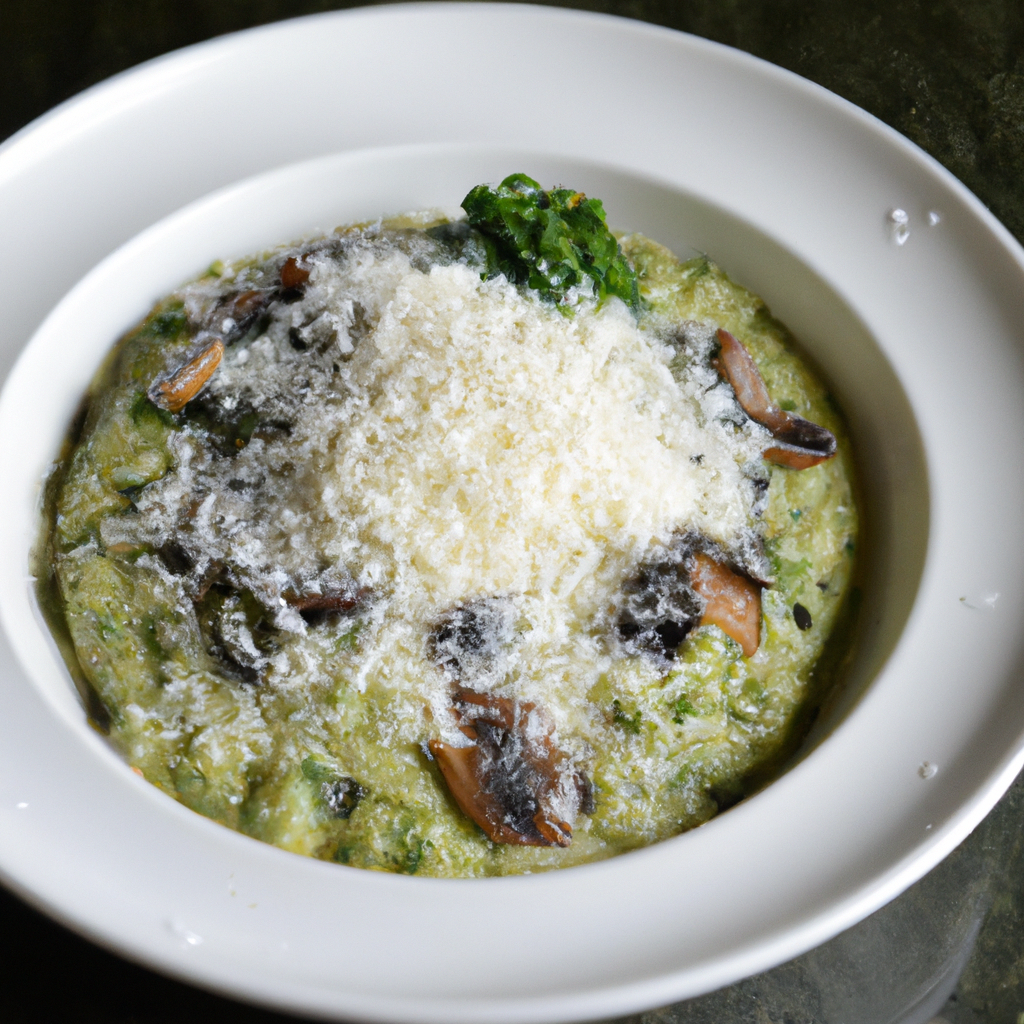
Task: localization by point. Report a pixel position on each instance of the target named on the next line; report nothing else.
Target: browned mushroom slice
(733, 602)
(511, 779)
(237, 312)
(469, 639)
(794, 456)
(294, 273)
(176, 392)
(659, 607)
(693, 582)
(235, 631)
(800, 443)
(331, 601)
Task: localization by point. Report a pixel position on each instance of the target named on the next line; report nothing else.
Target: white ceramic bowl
(921, 341)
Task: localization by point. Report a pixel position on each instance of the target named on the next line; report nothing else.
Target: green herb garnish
(550, 240)
(631, 723)
(681, 710)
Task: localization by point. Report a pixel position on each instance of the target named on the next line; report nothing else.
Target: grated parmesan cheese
(476, 442)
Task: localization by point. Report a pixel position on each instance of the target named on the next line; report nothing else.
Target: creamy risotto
(456, 548)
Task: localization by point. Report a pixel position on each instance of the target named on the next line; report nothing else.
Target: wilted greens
(551, 240)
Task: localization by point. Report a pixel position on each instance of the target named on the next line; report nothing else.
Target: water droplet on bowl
(185, 935)
(927, 770)
(934, 218)
(899, 225)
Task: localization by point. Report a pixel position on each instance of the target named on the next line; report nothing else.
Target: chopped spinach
(168, 321)
(551, 240)
(682, 709)
(631, 723)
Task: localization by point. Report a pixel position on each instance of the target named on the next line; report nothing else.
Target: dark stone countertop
(948, 74)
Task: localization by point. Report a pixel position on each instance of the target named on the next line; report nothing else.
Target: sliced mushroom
(294, 273)
(236, 312)
(733, 602)
(511, 779)
(659, 606)
(470, 640)
(235, 631)
(794, 456)
(800, 444)
(326, 600)
(693, 582)
(748, 558)
(341, 795)
(176, 392)
(176, 558)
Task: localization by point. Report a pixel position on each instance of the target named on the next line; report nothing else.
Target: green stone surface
(950, 76)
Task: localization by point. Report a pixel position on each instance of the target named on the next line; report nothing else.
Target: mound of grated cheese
(493, 445)
(468, 441)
